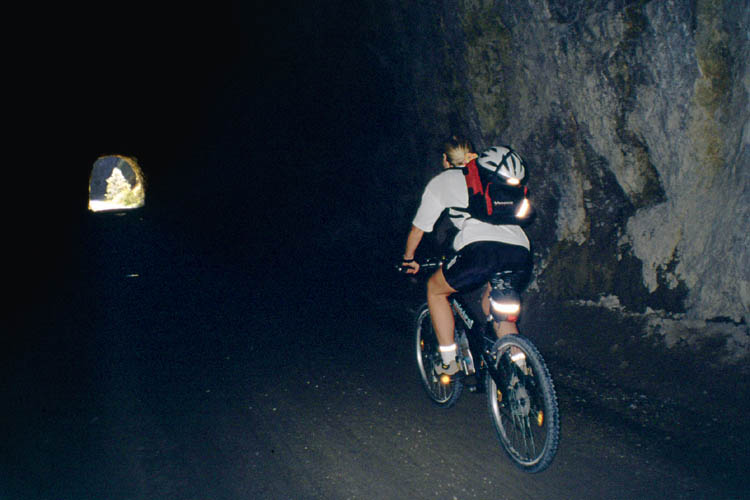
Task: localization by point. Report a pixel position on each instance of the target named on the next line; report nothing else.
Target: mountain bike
(520, 393)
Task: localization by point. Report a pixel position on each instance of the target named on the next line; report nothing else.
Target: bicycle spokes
(517, 408)
(428, 355)
(522, 399)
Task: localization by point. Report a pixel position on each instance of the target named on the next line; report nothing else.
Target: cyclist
(481, 248)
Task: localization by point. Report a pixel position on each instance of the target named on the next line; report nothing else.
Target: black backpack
(491, 198)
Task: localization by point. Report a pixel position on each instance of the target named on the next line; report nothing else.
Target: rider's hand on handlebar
(410, 266)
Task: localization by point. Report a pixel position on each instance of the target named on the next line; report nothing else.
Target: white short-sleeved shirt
(448, 189)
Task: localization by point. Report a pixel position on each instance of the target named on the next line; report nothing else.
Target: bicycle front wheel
(522, 403)
(426, 343)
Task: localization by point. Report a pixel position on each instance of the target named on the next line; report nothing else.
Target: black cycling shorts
(475, 264)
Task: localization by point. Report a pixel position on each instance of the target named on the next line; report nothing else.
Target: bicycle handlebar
(427, 265)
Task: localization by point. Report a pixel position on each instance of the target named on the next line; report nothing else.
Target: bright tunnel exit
(116, 183)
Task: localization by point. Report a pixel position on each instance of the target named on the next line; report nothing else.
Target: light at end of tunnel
(116, 184)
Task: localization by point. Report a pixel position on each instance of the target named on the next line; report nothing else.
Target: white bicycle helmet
(504, 162)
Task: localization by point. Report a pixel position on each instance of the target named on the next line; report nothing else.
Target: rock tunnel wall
(634, 119)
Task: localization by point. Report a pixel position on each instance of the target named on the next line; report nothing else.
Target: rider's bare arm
(412, 242)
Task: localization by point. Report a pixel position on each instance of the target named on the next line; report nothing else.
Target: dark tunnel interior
(275, 139)
(254, 123)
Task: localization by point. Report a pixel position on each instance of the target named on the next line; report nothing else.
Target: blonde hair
(456, 149)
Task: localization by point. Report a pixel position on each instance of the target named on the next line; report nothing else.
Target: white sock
(448, 352)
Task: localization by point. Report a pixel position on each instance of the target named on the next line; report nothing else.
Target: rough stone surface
(634, 118)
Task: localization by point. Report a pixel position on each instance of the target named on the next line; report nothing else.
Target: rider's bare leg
(486, 300)
(501, 328)
(438, 291)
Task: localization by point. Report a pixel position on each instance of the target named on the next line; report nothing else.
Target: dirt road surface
(159, 372)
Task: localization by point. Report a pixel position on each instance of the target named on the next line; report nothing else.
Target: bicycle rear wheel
(426, 343)
(522, 404)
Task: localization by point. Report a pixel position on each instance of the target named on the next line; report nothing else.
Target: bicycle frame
(479, 332)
